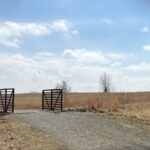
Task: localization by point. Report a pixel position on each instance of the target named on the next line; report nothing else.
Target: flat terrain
(126, 104)
(87, 131)
(16, 135)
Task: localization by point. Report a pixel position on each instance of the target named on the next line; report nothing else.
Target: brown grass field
(126, 104)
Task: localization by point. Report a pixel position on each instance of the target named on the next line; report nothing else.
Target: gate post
(5, 101)
(13, 91)
(61, 100)
(42, 99)
(51, 99)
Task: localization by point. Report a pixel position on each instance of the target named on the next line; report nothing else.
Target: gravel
(87, 131)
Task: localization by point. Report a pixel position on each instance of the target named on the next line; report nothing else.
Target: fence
(7, 100)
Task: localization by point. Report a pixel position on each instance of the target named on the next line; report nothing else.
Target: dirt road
(87, 131)
(17, 135)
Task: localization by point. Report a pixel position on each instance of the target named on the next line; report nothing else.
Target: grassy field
(28, 101)
(126, 104)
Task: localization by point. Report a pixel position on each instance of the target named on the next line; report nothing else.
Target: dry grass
(28, 101)
(127, 104)
(93, 101)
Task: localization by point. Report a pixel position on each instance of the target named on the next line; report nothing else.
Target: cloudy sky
(45, 41)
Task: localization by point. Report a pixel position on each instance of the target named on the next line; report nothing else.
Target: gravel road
(87, 131)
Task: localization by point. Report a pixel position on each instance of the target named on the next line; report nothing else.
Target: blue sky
(44, 41)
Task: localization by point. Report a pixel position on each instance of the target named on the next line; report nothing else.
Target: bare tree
(105, 82)
(64, 86)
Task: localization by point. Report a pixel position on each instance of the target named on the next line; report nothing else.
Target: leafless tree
(105, 82)
(65, 87)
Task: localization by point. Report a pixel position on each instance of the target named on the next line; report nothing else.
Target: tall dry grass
(93, 101)
(127, 104)
(28, 101)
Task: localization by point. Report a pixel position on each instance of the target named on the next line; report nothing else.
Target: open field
(28, 101)
(135, 105)
(123, 116)
(127, 104)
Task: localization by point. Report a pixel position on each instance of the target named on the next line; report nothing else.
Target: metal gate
(7, 100)
(52, 99)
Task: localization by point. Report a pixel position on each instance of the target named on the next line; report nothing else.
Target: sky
(43, 42)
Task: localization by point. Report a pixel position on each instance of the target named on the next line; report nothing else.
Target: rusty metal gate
(52, 99)
(7, 100)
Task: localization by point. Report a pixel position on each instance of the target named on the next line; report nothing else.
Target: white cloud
(12, 43)
(86, 56)
(11, 32)
(61, 25)
(141, 67)
(64, 27)
(106, 21)
(18, 29)
(146, 47)
(115, 56)
(75, 32)
(44, 69)
(145, 29)
(116, 64)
